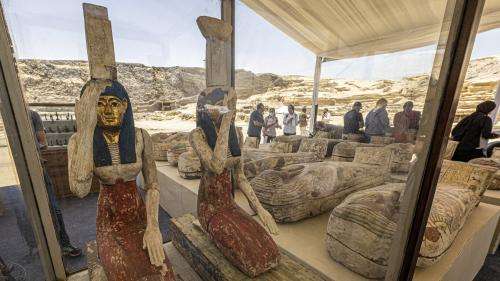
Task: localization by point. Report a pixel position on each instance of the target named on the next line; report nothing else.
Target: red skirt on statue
(121, 223)
(243, 241)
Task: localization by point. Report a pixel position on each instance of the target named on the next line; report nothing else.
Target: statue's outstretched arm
(80, 146)
(243, 184)
(152, 240)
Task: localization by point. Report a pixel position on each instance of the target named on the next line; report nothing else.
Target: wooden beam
(99, 37)
(227, 15)
(24, 151)
(314, 107)
(457, 36)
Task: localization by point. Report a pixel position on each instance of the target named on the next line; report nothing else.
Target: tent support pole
(494, 114)
(314, 107)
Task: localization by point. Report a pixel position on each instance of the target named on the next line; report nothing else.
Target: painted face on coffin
(216, 106)
(110, 112)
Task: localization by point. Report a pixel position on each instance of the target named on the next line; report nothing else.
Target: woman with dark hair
(472, 133)
(107, 145)
(240, 238)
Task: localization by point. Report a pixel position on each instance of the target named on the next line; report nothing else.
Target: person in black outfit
(470, 130)
(256, 122)
(353, 120)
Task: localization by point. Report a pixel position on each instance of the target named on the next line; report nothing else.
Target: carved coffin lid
(214, 28)
(465, 175)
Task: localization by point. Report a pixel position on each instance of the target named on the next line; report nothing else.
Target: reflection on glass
(18, 249)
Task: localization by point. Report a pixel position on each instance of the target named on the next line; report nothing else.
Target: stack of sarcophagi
(361, 228)
(300, 191)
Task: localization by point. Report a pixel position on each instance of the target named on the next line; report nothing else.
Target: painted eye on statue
(115, 104)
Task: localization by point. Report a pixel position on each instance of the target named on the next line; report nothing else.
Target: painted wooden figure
(241, 239)
(107, 145)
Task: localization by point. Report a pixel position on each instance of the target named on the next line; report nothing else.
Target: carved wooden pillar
(99, 37)
(217, 33)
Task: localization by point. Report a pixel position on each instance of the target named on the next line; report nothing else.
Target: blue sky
(164, 33)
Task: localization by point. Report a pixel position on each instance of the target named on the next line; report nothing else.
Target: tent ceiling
(339, 29)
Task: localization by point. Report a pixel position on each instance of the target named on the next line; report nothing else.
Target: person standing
(303, 122)
(405, 122)
(353, 120)
(377, 120)
(256, 122)
(270, 125)
(290, 121)
(41, 143)
(473, 132)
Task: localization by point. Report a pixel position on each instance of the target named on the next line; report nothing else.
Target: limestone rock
(189, 165)
(304, 190)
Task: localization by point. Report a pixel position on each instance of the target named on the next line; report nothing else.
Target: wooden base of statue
(203, 256)
(96, 271)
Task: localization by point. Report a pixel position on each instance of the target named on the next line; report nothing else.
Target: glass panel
(377, 58)
(18, 248)
(482, 85)
(160, 54)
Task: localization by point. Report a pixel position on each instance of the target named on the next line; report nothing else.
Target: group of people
(258, 125)
(377, 122)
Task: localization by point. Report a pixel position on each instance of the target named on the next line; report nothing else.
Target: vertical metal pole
(227, 15)
(314, 107)
(494, 114)
(450, 65)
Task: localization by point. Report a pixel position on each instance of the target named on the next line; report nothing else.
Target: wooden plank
(26, 158)
(227, 15)
(203, 256)
(100, 48)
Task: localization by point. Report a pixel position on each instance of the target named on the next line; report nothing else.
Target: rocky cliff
(61, 81)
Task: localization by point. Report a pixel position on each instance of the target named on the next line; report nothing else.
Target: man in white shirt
(290, 121)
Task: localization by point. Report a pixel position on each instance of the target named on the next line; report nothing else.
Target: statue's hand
(86, 107)
(268, 221)
(153, 242)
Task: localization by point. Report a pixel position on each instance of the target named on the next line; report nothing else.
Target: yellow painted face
(110, 111)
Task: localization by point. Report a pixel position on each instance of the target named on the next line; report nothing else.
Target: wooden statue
(108, 146)
(242, 240)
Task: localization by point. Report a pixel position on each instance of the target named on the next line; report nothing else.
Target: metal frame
(455, 44)
(314, 106)
(26, 158)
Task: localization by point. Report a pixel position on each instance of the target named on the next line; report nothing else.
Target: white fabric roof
(339, 29)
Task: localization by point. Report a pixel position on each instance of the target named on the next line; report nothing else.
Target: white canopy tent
(339, 29)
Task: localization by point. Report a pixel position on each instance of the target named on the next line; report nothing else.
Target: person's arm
(361, 122)
(385, 119)
(212, 160)
(486, 132)
(265, 217)
(39, 130)
(80, 146)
